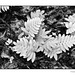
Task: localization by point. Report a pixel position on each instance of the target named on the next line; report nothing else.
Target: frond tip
(4, 8)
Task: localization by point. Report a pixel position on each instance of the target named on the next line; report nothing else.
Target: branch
(4, 22)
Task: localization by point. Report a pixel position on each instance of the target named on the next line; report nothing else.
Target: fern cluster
(36, 38)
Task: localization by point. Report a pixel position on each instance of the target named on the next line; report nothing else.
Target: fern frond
(70, 24)
(51, 48)
(4, 8)
(71, 18)
(66, 42)
(20, 45)
(51, 43)
(52, 52)
(32, 26)
(38, 13)
(55, 46)
(26, 48)
(71, 29)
